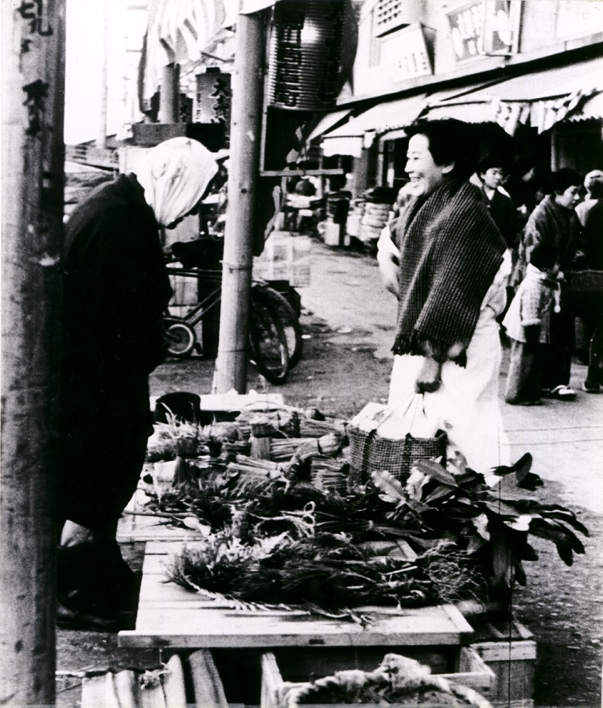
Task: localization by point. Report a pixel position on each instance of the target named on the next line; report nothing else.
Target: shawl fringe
(414, 344)
(450, 251)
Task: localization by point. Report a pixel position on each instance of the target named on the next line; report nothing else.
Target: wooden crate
(511, 653)
(191, 679)
(169, 616)
(282, 671)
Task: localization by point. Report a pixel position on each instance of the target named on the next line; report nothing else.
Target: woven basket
(371, 452)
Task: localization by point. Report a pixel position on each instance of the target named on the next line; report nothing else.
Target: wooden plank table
(138, 525)
(169, 616)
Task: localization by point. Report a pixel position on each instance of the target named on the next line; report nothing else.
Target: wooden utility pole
(245, 139)
(32, 206)
(101, 137)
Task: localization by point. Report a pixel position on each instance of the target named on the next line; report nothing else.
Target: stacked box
(286, 256)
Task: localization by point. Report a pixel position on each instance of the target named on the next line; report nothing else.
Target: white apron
(467, 403)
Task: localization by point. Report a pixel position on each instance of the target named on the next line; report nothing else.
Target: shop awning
(360, 131)
(539, 99)
(591, 108)
(328, 122)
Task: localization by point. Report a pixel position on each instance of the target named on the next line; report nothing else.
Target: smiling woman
(449, 291)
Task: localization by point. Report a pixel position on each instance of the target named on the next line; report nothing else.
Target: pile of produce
(290, 531)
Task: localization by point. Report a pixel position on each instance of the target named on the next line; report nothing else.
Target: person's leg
(556, 368)
(594, 374)
(95, 587)
(523, 380)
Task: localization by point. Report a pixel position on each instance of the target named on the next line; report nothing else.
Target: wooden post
(32, 206)
(101, 137)
(168, 94)
(245, 139)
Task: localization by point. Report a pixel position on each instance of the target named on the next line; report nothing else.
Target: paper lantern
(304, 71)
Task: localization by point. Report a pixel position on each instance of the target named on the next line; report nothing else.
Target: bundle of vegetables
(176, 438)
(322, 570)
(219, 496)
(464, 531)
(282, 422)
(491, 524)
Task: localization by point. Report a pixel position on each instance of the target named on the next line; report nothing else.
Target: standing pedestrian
(443, 264)
(554, 223)
(527, 323)
(592, 312)
(116, 289)
(491, 173)
(593, 184)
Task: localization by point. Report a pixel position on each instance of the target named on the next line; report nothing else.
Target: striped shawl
(450, 251)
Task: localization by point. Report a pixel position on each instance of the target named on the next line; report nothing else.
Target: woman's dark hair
(487, 163)
(565, 178)
(450, 141)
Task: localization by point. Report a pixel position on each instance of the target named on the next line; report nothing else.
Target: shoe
(96, 590)
(92, 620)
(592, 387)
(563, 393)
(536, 402)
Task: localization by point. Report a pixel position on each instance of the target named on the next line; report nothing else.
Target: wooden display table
(169, 616)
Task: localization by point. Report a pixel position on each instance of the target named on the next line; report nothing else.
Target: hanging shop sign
(467, 30)
(305, 54)
(405, 54)
(485, 27)
(213, 98)
(501, 28)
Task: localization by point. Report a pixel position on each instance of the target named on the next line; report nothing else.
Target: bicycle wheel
(267, 343)
(287, 316)
(178, 337)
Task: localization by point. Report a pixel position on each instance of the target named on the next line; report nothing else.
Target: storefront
(531, 93)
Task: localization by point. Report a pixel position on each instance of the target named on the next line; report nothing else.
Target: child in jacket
(527, 323)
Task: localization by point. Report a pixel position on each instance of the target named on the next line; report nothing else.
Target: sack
(417, 438)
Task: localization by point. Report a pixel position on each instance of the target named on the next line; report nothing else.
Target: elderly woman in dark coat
(116, 289)
(444, 264)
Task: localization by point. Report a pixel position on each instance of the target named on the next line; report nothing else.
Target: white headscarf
(174, 177)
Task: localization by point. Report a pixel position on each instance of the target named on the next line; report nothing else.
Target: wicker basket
(370, 452)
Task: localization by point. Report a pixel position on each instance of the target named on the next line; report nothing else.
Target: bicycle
(275, 339)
